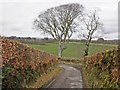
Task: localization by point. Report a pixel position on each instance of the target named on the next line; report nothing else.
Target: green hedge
(103, 69)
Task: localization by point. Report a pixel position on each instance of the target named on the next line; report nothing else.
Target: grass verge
(45, 78)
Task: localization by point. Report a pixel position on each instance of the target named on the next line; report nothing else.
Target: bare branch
(59, 21)
(92, 24)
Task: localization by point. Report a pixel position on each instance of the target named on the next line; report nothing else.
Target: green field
(74, 49)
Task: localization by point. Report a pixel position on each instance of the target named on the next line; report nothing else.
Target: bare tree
(59, 22)
(91, 25)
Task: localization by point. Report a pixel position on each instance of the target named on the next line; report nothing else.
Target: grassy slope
(73, 49)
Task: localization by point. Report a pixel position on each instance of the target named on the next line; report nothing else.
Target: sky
(17, 16)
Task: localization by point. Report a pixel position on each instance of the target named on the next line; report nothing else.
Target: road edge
(46, 85)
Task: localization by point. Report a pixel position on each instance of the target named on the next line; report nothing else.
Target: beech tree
(59, 22)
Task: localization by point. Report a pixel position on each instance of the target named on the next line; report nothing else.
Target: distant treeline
(31, 40)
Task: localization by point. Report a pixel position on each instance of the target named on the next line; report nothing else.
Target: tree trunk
(60, 50)
(86, 50)
(87, 46)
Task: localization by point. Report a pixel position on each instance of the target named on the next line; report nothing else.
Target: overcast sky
(16, 16)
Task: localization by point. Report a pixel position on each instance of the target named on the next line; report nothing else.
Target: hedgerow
(103, 69)
(22, 64)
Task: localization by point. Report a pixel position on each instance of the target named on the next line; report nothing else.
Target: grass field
(74, 49)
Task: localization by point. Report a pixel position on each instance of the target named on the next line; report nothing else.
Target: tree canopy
(59, 21)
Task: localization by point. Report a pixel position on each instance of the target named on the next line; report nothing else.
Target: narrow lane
(69, 78)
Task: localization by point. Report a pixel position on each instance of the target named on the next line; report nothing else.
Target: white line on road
(50, 83)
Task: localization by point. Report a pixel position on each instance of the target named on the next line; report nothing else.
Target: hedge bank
(103, 69)
(22, 64)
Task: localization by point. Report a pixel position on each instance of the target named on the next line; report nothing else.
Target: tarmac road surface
(70, 77)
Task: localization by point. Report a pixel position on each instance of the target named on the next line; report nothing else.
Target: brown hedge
(22, 64)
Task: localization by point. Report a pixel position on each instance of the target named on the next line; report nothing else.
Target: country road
(70, 77)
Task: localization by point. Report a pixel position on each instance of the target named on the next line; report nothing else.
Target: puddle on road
(76, 85)
(66, 67)
(77, 79)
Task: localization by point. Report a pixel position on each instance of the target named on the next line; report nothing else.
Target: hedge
(22, 64)
(106, 66)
